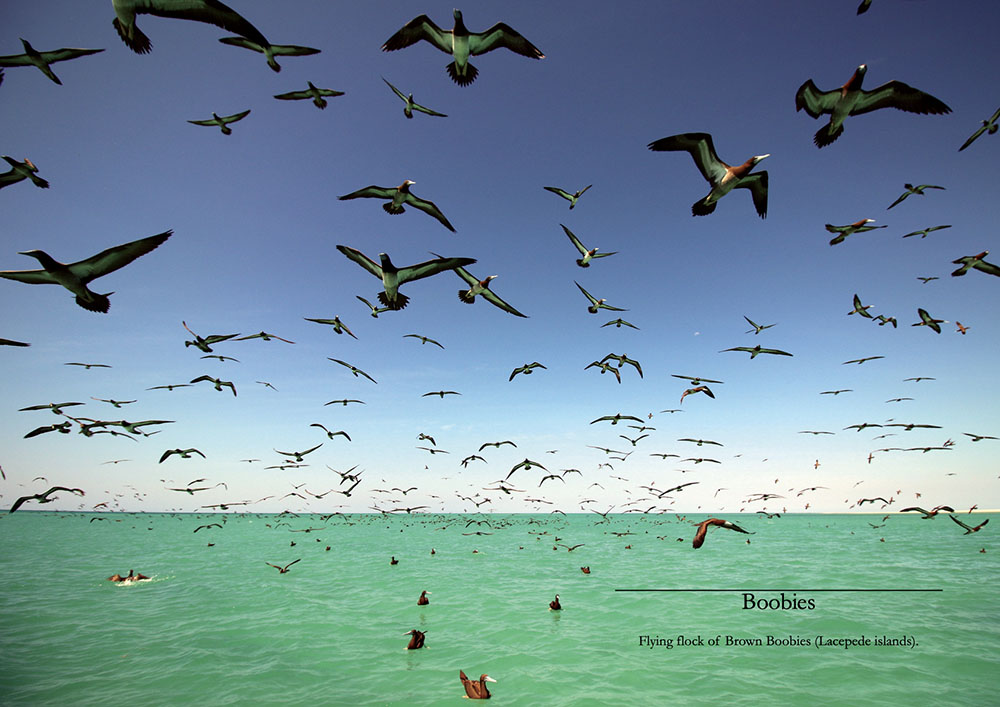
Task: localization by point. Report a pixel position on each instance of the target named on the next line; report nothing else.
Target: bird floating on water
(211, 11)
(722, 177)
(851, 99)
(461, 44)
(76, 276)
(412, 105)
(222, 121)
(476, 690)
(33, 57)
(416, 639)
(392, 277)
(318, 95)
(269, 50)
(399, 196)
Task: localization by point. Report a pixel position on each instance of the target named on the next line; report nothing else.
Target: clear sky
(255, 220)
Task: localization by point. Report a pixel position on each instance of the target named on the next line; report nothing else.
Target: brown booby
(33, 57)
(43, 497)
(481, 287)
(416, 639)
(19, 171)
(211, 11)
(989, 125)
(699, 537)
(269, 50)
(975, 262)
(723, 177)
(586, 255)
(851, 99)
(422, 600)
(412, 105)
(554, 605)
(928, 321)
(476, 690)
(596, 304)
(76, 276)
(222, 121)
(316, 94)
(968, 528)
(571, 198)
(398, 196)
(460, 43)
(392, 277)
(913, 189)
(844, 231)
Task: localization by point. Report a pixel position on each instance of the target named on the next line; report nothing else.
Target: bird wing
(32, 277)
(361, 259)
(430, 267)
(211, 11)
(505, 36)
(236, 116)
(428, 111)
(815, 102)
(757, 184)
(67, 53)
(395, 90)
(572, 237)
(988, 268)
(972, 138)
(420, 27)
(117, 257)
(702, 151)
(429, 207)
(293, 95)
(896, 94)
(593, 300)
(372, 191)
(566, 195)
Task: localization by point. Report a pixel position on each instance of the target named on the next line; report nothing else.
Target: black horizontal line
(785, 589)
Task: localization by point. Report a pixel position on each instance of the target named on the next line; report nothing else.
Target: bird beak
(760, 157)
(489, 679)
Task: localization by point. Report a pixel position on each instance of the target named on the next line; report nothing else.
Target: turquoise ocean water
(216, 625)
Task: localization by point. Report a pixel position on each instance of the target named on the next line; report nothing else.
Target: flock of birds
(834, 106)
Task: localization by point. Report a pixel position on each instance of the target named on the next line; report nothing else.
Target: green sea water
(216, 625)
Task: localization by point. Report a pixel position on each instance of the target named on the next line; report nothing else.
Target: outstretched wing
(420, 27)
(502, 35)
(431, 267)
(814, 101)
(117, 257)
(361, 259)
(430, 208)
(702, 151)
(370, 192)
(896, 94)
(757, 184)
(211, 11)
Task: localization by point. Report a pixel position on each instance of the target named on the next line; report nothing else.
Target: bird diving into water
(392, 277)
(412, 105)
(723, 177)
(851, 99)
(33, 57)
(399, 196)
(461, 44)
(211, 11)
(76, 276)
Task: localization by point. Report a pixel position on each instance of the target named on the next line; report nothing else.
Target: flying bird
(269, 50)
(205, 343)
(211, 11)
(757, 328)
(19, 171)
(423, 339)
(412, 105)
(970, 261)
(989, 126)
(398, 196)
(354, 369)
(861, 309)
(43, 497)
(392, 277)
(76, 276)
(699, 537)
(222, 121)
(299, 455)
(461, 44)
(338, 326)
(844, 231)
(968, 528)
(754, 350)
(482, 287)
(526, 369)
(851, 99)
(596, 304)
(586, 255)
(697, 389)
(216, 382)
(911, 189)
(928, 514)
(722, 177)
(923, 232)
(928, 321)
(182, 453)
(571, 198)
(282, 570)
(33, 57)
(318, 95)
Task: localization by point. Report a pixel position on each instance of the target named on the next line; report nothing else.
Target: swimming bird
(851, 99)
(43, 497)
(461, 44)
(269, 50)
(412, 105)
(19, 171)
(554, 605)
(482, 287)
(911, 189)
(393, 277)
(423, 339)
(338, 326)
(183, 453)
(204, 343)
(283, 570)
(76, 276)
(586, 255)
(969, 529)
(476, 690)
(571, 198)
(923, 232)
(526, 369)
(222, 121)
(354, 369)
(215, 381)
(422, 600)
(970, 261)
(989, 125)
(754, 350)
(595, 303)
(844, 231)
(398, 196)
(699, 537)
(33, 57)
(722, 177)
(928, 321)
(211, 11)
(416, 639)
(318, 95)
(928, 514)
(697, 389)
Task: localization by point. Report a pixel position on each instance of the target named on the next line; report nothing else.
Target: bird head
(757, 158)
(405, 186)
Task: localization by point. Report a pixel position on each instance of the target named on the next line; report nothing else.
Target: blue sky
(256, 219)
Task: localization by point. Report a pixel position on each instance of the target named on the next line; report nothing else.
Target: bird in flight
(412, 105)
(754, 350)
(851, 99)
(338, 326)
(318, 95)
(989, 125)
(75, 277)
(33, 57)
(757, 328)
(354, 369)
(398, 197)
(928, 321)
(182, 453)
(722, 177)
(461, 44)
(526, 369)
(571, 198)
(699, 536)
(282, 570)
(586, 255)
(222, 121)
(392, 277)
(269, 50)
(973, 261)
(844, 231)
(596, 304)
(481, 287)
(210, 11)
(911, 189)
(43, 497)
